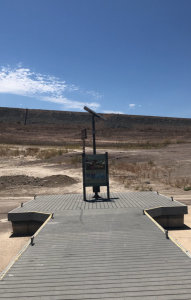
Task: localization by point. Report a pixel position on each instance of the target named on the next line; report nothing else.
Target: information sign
(95, 170)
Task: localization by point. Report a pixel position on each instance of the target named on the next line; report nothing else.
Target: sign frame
(99, 176)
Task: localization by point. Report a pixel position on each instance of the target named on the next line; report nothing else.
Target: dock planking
(99, 250)
(53, 203)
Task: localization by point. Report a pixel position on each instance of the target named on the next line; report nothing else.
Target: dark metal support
(26, 115)
(32, 240)
(107, 172)
(96, 189)
(166, 233)
(93, 132)
(83, 137)
(84, 146)
(84, 187)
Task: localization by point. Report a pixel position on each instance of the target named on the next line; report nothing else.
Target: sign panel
(95, 170)
(83, 134)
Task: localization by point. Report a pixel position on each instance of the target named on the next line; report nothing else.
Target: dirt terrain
(28, 171)
(8, 182)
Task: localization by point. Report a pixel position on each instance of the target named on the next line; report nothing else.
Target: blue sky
(122, 56)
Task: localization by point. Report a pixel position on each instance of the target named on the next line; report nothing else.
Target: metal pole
(96, 189)
(107, 174)
(93, 132)
(83, 168)
(26, 114)
(83, 145)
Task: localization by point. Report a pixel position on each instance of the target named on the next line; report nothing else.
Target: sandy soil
(183, 236)
(9, 246)
(174, 160)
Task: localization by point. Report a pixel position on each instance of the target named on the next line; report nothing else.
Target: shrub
(4, 151)
(76, 159)
(32, 151)
(138, 145)
(60, 152)
(52, 152)
(166, 142)
(187, 188)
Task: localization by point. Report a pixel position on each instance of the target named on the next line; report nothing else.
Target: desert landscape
(46, 159)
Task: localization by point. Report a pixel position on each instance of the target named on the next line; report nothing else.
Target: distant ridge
(48, 117)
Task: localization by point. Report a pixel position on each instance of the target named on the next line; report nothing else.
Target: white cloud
(95, 95)
(70, 103)
(24, 82)
(112, 112)
(131, 105)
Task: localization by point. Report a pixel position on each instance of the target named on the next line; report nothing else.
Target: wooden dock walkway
(99, 250)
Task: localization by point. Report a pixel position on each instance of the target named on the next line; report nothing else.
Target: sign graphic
(95, 169)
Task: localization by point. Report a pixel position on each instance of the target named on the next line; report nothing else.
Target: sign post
(83, 137)
(95, 182)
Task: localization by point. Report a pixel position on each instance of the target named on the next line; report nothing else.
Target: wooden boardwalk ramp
(99, 250)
